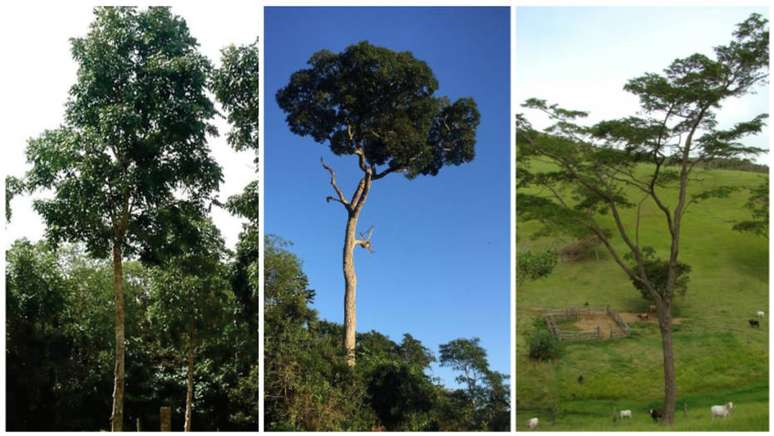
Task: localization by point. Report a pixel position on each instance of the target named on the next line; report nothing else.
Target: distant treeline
(736, 164)
(308, 385)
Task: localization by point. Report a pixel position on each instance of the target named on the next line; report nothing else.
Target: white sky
(38, 72)
(581, 57)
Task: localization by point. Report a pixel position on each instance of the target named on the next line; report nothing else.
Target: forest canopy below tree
(309, 386)
(60, 338)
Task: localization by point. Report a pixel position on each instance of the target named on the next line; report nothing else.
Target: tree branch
(361, 159)
(340, 195)
(387, 171)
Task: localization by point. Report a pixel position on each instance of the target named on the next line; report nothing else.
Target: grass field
(718, 357)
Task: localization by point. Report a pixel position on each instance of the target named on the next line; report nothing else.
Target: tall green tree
(626, 162)
(378, 105)
(190, 300)
(134, 136)
(236, 86)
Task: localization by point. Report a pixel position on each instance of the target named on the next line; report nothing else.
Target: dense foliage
(533, 266)
(541, 343)
(658, 273)
(60, 338)
(758, 205)
(308, 385)
(382, 102)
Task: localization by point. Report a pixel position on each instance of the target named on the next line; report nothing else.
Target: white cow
(761, 314)
(625, 414)
(532, 423)
(722, 411)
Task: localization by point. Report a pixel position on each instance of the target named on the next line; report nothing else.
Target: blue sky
(441, 267)
(581, 57)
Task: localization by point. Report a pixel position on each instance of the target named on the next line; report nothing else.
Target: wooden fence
(552, 317)
(619, 321)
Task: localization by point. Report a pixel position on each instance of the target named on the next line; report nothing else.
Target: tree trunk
(189, 391)
(117, 417)
(670, 383)
(350, 288)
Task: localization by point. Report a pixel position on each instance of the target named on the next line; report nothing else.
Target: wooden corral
(617, 328)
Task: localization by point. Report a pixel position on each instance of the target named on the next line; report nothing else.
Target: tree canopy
(134, 135)
(383, 101)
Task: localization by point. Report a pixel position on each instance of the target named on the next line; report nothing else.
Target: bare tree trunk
(117, 416)
(353, 207)
(350, 288)
(189, 391)
(670, 382)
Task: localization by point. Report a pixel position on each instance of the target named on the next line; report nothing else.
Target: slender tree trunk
(189, 391)
(117, 417)
(353, 207)
(350, 287)
(670, 382)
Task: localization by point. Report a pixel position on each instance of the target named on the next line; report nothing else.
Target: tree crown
(134, 136)
(382, 102)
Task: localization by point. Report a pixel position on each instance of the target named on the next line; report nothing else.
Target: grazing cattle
(625, 414)
(761, 314)
(532, 423)
(642, 316)
(722, 411)
(655, 414)
(754, 323)
(652, 308)
(586, 304)
(580, 379)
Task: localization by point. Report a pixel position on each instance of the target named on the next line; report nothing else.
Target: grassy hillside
(719, 358)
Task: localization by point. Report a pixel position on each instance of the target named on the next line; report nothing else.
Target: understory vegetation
(59, 342)
(309, 386)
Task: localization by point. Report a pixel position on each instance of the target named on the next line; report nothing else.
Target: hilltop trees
(134, 136)
(488, 401)
(623, 163)
(377, 105)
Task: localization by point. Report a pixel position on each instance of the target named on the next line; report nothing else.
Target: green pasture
(719, 358)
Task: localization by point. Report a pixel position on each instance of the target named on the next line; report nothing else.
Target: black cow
(580, 379)
(655, 414)
(754, 323)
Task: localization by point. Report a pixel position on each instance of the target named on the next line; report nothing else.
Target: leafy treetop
(382, 102)
(134, 136)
